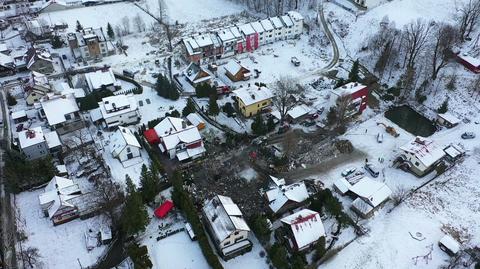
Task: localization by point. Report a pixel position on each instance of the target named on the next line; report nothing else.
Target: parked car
(380, 138)
(371, 169)
(308, 123)
(295, 61)
(348, 171)
(283, 129)
(468, 135)
(356, 174)
(313, 116)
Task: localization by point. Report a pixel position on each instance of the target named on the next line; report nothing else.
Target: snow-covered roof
(233, 67)
(99, 78)
(453, 151)
(287, 20)
(19, 114)
(280, 194)
(247, 29)
(196, 73)
(203, 40)
(349, 88)
(370, 190)
(122, 138)
(52, 139)
(299, 111)
(57, 193)
(57, 106)
(306, 226)
(6, 60)
(225, 35)
(195, 119)
(294, 15)
(61, 168)
(34, 54)
(64, 88)
(449, 118)
(267, 25)
(173, 131)
(96, 114)
(342, 185)
(191, 45)
(450, 243)
(30, 137)
(236, 33)
(469, 59)
(253, 95)
(277, 23)
(224, 217)
(424, 149)
(115, 105)
(257, 26)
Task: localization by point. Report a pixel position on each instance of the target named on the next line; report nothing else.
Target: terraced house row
(237, 39)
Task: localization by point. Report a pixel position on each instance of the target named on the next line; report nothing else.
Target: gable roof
(287, 20)
(257, 26)
(306, 226)
(247, 29)
(224, 217)
(57, 106)
(35, 54)
(371, 191)
(233, 67)
(196, 74)
(173, 131)
(424, 149)
(277, 23)
(99, 78)
(225, 35)
(57, 193)
(279, 194)
(31, 137)
(122, 138)
(253, 95)
(267, 25)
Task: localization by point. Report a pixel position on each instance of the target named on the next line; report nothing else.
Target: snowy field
(59, 246)
(97, 16)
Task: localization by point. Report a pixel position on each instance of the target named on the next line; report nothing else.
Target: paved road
(8, 225)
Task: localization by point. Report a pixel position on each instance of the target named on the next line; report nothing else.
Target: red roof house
(471, 63)
(163, 209)
(151, 136)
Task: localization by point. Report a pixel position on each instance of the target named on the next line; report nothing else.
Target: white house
(282, 198)
(179, 140)
(61, 112)
(229, 42)
(269, 31)
(124, 145)
(369, 194)
(119, 110)
(297, 20)
(304, 229)
(288, 30)
(279, 31)
(102, 79)
(34, 143)
(56, 200)
(227, 227)
(421, 155)
(257, 26)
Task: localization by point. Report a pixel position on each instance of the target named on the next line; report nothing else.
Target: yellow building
(253, 100)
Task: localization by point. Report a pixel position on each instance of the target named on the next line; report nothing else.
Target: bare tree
(139, 23)
(342, 108)
(468, 17)
(289, 143)
(111, 197)
(284, 96)
(415, 37)
(445, 37)
(475, 88)
(126, 25)
(32, 257)
(161, 11)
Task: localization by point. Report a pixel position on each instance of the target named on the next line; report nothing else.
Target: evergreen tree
(149, 184)
(110, 32)
(79, 27)
(270, 124)
(11, 101)
(213, 106)
(173, 93)
(139, 256)
(444, 107)
(260, 227)
(189, 108)
(134, 215)
(298, 261)
(228, 109)
(340, 82)
(258, 125)
(162, 86)
(331, 116)
(278, 255)
(320, 249)
(353, 75)
(57, 42)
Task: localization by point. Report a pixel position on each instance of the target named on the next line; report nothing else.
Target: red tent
(163, 209)
(151, 136)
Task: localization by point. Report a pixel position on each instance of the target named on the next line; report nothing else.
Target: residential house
(39, 60)
(195, 120)
(36, 88)
(269, 31)
(177, 139)
(258, 28)
(282, 197)
(124, 145)
(357, 94)
(4, 49)
(235, 71)
(288, 29)
(119, 110)
(279, 31)
(253, 100)
(34, 143)
(250, 36)
(471, 63)
(89, 44)
(368, 194)
(102, 79)
(297, 20)
(421, 155)
(447, 120)
(35, 31)
(202, 46)
(228, 41)
(226, 226)
(62, 113)
(7, 65)
(19, 116)
(298, 113)
(197, 75)
(240, 39)
(56, 200)
(304, 228)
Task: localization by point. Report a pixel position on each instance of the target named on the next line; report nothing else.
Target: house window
(226, 243)
(129, 150)
(264, 103)
(416, 163)
(236, 233)
(68, 117)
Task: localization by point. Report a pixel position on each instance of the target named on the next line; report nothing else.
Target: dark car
(371, 169)
(468, 135)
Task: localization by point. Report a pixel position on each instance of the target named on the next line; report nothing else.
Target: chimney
(253, 96)
(184, 124)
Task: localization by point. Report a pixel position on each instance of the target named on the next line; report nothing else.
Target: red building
(471, 63)
(358, 94)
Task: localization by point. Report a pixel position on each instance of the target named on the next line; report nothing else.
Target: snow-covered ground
(59, 246)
